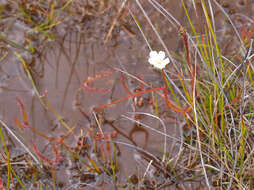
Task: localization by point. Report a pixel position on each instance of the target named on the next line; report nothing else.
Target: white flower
(158, 59)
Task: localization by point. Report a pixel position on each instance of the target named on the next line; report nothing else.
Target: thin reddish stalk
(186, 46)
(193, 72)
(41, 134)
(124, 85)
(172, 106)
(23, 125)
(20, 124)
(94, 78)
(45, 159)
(127, 90)
(23, 110)
(141, 85)
(169, 103)
(127, 97)
(1, 184)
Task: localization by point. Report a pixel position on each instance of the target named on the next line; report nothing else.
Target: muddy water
(62, 65)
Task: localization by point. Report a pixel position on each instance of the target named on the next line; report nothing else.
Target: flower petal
(161, 55)
(158, 60)
(152, 60)
(165, 61)
(160, 66)
(153, 54)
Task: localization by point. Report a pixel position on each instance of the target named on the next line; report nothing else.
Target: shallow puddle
(77, 74)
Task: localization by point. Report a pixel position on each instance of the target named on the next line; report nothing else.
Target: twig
(114, 22)
(19, 141)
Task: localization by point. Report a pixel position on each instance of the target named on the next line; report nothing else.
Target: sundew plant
(217, 89)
